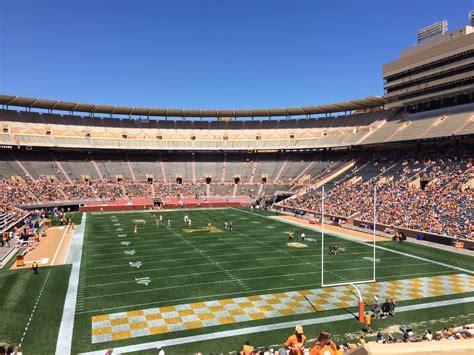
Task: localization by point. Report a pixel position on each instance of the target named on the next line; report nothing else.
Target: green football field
(192, 290)
(123, 271)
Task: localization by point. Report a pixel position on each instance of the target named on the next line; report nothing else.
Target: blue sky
(209, 54)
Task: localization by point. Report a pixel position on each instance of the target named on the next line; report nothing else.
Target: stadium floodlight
(434, 30)
(471, 17)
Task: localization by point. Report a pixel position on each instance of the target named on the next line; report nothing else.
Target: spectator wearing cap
(296, 342)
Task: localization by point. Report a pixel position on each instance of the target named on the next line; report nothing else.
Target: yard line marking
(216, 264)
(63, 345)
(143, 280)
(136, 264)
(348, 237)
(234, 294)
(268, 327)
(59, 246)
(156, 289)
(34, 308)
(233, 279)
(222, 262)
(148, 244)
(158, 253)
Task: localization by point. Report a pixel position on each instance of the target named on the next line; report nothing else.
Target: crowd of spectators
(427, 192)
(298, 344)
(15, 193)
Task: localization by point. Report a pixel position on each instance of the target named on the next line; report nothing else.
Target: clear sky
(209, 53)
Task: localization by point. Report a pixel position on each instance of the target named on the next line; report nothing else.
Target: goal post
(372, 277)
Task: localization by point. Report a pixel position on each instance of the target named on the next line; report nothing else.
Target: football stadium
(329, 228)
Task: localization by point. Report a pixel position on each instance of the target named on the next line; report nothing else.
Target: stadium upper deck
(382, 126)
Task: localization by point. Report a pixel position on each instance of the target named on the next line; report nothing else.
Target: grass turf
(19, 292)
(192, 267)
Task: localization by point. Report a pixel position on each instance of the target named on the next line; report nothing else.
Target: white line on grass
(34, 308)
(269, 327)
(348, 237)
(211, 272)
(59, 246)
(159, 252)
(235, 294)
(242, 279)
(63, 345)
(229, 280)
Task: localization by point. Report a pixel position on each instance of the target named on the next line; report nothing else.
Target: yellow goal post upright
(352, 283)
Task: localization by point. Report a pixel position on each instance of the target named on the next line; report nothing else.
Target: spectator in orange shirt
(368, 323)
(247, 349)
(324, 345)
(296, 342)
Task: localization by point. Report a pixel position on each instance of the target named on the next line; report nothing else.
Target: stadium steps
(132, 174)
(61, 168)
(163, 173)
(309, 166)
(283, 166)
(22, 167)
(224, 166)
(96, 167)
(252, 174)
(193, 168)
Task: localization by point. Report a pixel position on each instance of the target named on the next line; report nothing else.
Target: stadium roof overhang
(28, 102)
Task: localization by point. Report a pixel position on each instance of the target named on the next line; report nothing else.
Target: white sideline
(66, 228)
(348, 237)
(266, 328)
(63, 345)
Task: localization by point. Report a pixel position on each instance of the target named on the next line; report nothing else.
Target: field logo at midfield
(203, 229)
(129, 252)
(297, 245)
(136, 264)
(371, 259)
(125, 243)
(143, 280)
